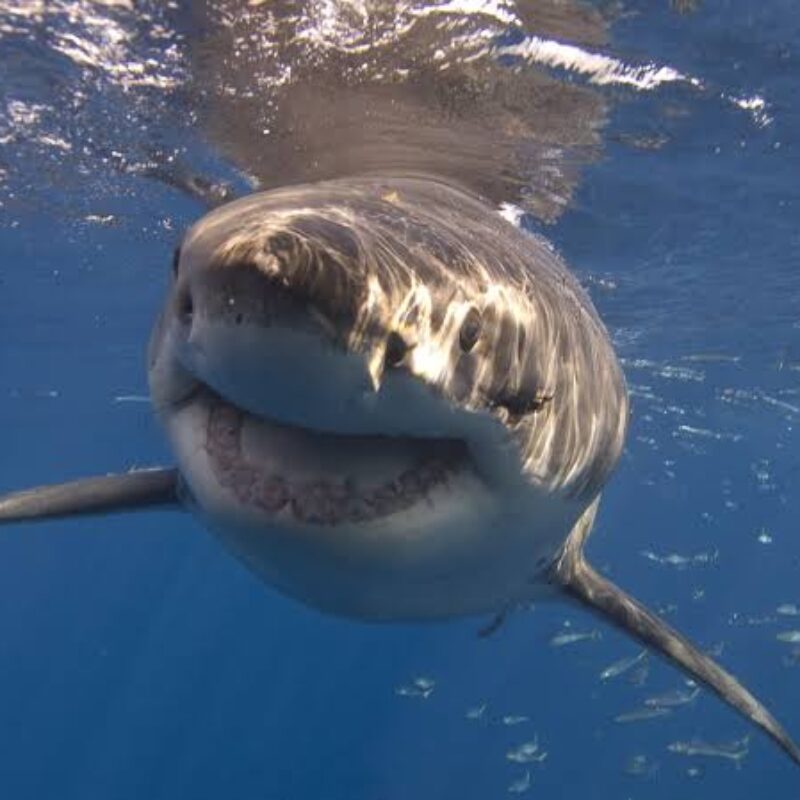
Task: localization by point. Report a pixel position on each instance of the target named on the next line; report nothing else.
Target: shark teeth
(321, 501)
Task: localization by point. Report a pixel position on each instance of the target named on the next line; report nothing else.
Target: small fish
(694, 772)
(419, 687)
(672, 699)
(764, 537)
(679, 561)
(411, 691)
(792, 637)
(571, 637)
(666, 608)
(514, 719)
(101, 219)
(711, 358)
(622, 666)
(640, 766)
(651, 556)
(639, 714)
(733, 751)
(521, 784)
(749, 619)
(788, 610)
(476, 712)
(526, 753)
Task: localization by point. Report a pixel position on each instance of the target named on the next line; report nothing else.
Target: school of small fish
(633, 669)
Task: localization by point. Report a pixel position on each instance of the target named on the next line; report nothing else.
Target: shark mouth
(322, 478)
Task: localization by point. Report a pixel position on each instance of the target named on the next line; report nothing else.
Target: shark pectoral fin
(107, 494)
(175, 173)
(579, 579)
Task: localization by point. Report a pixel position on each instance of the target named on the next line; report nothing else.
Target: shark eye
(185, 306)
(396, 349)
(470, 330)
(176, 257)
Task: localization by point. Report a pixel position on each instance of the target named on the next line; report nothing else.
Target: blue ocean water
(138, 659)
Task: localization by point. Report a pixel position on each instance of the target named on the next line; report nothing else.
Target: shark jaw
(296, 476)
(366, 526)
(358, 514)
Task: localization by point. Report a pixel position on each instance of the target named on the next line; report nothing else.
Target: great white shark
(391, 404)
(387, 400)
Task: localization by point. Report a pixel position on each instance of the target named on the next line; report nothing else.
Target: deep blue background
(137, 659)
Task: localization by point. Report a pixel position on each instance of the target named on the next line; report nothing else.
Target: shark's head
(366, 383)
